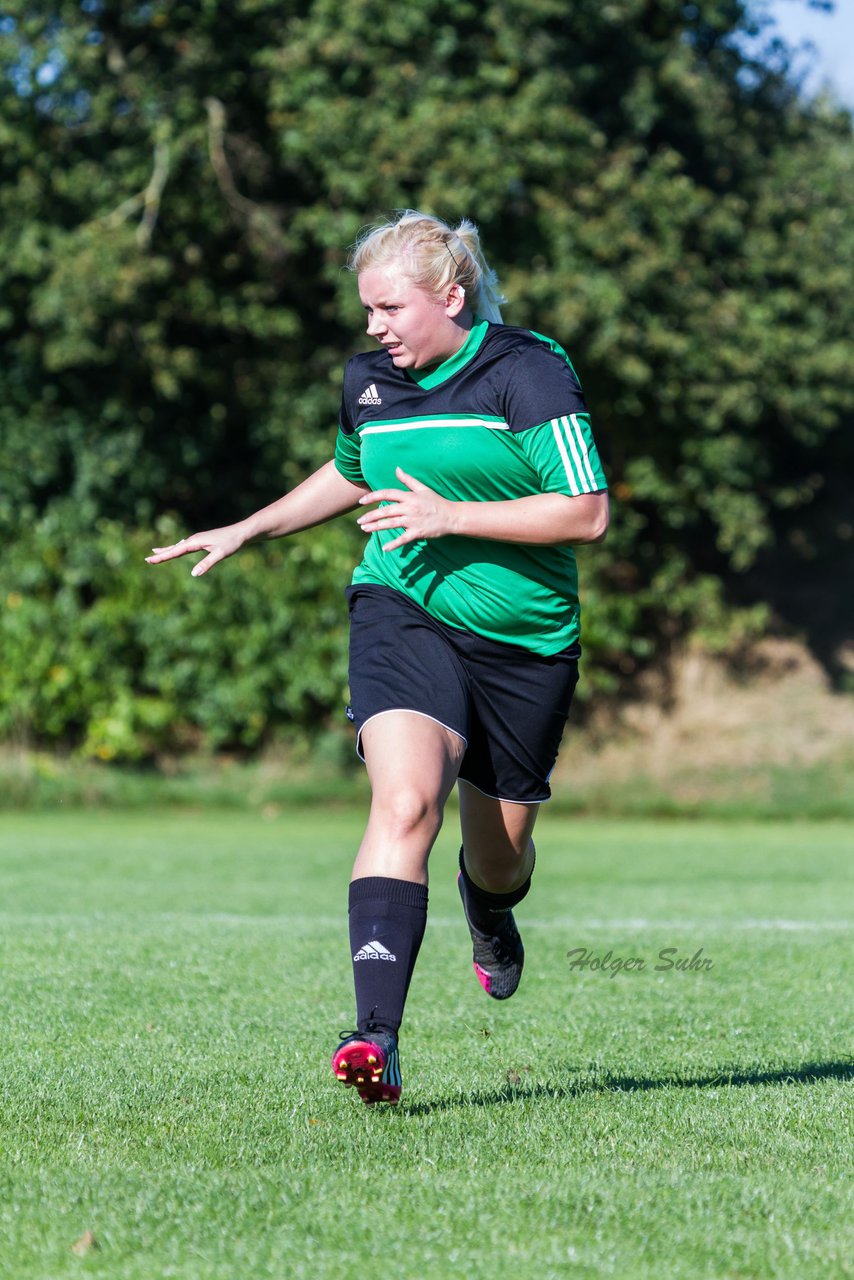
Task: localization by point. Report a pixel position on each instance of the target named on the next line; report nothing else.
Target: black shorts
(508, 705)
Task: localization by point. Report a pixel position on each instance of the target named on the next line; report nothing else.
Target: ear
(455, 301)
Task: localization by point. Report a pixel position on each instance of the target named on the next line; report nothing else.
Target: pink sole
(484, 978)
(352, 1066)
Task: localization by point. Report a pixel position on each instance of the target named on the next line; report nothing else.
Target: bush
(123, 660)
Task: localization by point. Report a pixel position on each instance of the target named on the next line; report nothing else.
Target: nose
(376, 325)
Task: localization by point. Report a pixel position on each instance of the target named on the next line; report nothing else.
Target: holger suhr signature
(668, 959)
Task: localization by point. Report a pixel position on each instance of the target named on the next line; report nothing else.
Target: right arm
(325, 494)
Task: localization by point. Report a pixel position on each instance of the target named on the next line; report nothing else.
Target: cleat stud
(372, 1057)
(375, 1079)
(343, 1063)
(342, 1075)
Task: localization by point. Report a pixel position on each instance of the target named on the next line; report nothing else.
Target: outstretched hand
(419, 511)
(219, 544)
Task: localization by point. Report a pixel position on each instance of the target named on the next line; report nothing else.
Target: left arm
(542, 519)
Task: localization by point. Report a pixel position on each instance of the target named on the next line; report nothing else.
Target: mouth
(394, 348)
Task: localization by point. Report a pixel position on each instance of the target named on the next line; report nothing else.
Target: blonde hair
(434, 256)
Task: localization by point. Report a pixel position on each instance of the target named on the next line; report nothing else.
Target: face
(415, 328)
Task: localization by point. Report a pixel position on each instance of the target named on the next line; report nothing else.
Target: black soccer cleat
(498, 957)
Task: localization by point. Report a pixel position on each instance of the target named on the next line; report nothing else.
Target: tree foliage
(178, 187)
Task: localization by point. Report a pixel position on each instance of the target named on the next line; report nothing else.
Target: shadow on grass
(807, 1073)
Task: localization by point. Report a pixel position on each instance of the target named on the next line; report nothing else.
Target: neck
(462, 325)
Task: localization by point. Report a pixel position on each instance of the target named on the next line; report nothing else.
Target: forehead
(379, 285)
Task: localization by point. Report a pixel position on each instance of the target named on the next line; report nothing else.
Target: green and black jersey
(503, 418)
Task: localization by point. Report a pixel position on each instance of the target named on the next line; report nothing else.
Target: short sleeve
(347, 456)
(540, 384)
(348, 443)
(564, 455)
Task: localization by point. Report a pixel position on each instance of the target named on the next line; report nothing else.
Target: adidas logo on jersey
(374, 951)
(370, 396)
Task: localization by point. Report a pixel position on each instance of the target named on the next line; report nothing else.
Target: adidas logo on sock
(370, 395)
(374, 951)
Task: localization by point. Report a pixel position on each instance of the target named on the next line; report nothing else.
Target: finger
(170, 553)
(399, 542)
(385, 518)
(382, 527)
(409, 481)
(381, 513)
(383, 495)
(208, 563)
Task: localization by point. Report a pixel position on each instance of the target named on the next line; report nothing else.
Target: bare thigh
(499, 851)
(412, 763)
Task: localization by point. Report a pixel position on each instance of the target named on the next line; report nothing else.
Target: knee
(501, 879)
(501, 871)
(406, 812)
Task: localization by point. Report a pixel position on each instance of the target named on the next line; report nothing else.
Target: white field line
(747, 925)
(302, 920)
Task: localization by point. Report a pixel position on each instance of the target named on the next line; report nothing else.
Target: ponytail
(434, 256)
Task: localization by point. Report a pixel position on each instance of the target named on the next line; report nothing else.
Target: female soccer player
(467, 445)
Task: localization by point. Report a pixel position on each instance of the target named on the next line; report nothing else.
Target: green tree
(178, 186)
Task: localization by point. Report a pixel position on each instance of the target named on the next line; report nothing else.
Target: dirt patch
(777, 709)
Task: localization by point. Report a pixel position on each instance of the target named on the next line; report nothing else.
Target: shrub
(124, 660)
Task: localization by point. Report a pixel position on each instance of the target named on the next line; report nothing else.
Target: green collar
(437, 374)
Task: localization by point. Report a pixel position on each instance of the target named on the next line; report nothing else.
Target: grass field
(172, 988)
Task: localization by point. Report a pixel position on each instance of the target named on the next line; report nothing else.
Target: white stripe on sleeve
(573, 448)
(585, 453)
(573, 483)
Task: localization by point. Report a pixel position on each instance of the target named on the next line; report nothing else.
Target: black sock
(387, 922)
(485, 909)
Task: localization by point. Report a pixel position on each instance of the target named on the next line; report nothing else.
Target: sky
(831, 33)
